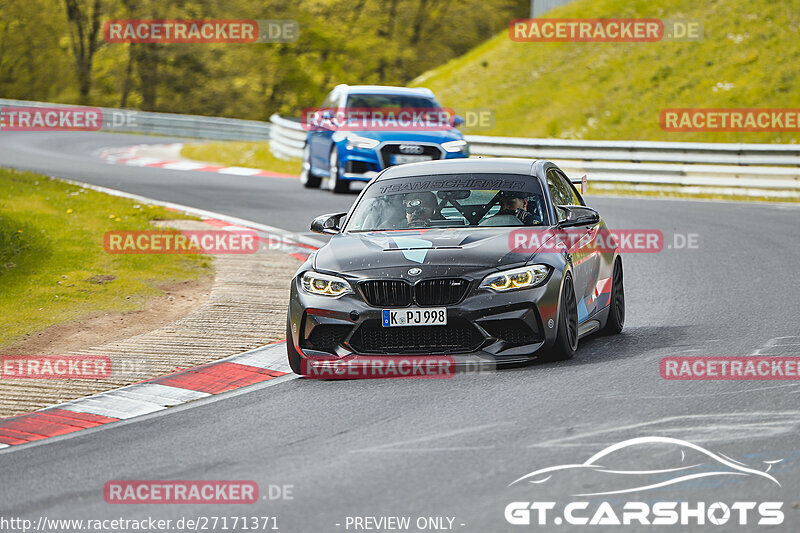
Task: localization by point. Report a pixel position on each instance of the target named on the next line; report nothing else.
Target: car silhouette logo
(414, 271)
(411, 149)
(695, 462)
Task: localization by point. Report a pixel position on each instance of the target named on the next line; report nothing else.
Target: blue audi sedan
(362, 129)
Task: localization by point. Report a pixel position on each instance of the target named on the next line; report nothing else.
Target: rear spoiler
(583, 182)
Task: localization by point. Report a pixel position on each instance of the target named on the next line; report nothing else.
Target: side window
(558, 191)
(572, 194)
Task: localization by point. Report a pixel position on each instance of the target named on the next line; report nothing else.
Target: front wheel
(335, 183)
(616, 311)
(307, 176)
(567, 333)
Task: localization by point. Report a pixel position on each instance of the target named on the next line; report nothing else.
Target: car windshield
(454, 200)
(378, 101)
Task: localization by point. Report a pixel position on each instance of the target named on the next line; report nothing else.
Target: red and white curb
(240, 370)
(151, 155)
(274, 241)
(248, 368)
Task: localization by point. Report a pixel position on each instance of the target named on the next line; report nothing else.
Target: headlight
(324, 285)
(455, 146)
(356, 141)
(519, 278)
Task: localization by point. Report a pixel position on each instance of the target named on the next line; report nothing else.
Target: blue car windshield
(377, 101)
(453, 200)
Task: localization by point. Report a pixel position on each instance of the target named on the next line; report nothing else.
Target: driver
(421, 208)
(515, 203)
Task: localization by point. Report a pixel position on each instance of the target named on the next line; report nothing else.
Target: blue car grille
(389, 150)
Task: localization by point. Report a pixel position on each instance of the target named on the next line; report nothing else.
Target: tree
(84, 28)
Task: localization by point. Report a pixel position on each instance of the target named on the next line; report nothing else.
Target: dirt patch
(192, 324)
(178, 300)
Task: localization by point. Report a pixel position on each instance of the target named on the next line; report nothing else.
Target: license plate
(399, 159)
(434, 316)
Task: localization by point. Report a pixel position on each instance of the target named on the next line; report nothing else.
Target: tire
(307, 177)
(335, 184)
(294, 357)
(616, 311)
(567, 333)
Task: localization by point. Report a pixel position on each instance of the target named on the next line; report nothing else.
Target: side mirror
(576, 215)
(328, 224)
(457, 120)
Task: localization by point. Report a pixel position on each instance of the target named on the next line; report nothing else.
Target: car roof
(486, 165)
(384, 89)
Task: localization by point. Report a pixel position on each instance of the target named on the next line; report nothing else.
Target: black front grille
(387, 293)
(397, 293)
(457, 336)
(390, 149)
(440, 291)
(514, 331)
(326, 337)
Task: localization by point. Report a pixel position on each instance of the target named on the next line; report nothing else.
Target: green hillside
(749, 58)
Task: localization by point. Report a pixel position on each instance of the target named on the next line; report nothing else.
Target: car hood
(432, 136)
(452, 251)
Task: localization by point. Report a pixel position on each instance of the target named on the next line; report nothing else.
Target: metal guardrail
(195, 126)
(288, 138)
(756, 166)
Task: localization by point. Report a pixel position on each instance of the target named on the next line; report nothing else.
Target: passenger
(515, 203)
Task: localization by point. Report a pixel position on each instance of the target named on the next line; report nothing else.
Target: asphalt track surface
(451, 447)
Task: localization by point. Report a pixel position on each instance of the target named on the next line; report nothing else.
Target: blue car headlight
(357, 141)
(324, 284)
(516, 279)
(456, 146)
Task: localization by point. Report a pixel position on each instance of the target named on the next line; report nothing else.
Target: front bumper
(495, 328)
(362, 164)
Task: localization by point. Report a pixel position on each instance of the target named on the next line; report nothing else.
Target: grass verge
(53, 268)
(241, 154)
(747, 58)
